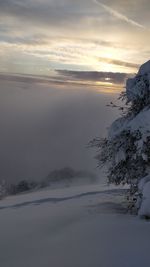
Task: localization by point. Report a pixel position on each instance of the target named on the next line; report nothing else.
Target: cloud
(119, 15)
(28, 40)
(70, 78)
(119, 62)
(95, 76)
(45, 12)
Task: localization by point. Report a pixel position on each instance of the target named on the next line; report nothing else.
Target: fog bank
(46, 126)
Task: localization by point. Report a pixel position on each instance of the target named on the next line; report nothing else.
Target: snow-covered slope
(76, 227)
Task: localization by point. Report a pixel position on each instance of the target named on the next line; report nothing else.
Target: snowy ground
(84, 226)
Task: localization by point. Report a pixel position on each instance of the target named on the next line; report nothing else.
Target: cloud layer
(115, 78)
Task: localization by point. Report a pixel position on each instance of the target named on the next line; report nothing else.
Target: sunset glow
(38, 37)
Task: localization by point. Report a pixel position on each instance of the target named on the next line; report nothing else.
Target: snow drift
(71, 227)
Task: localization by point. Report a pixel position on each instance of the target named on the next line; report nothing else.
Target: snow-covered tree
(126, 150)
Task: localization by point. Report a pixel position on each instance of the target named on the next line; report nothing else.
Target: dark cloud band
(96, 76)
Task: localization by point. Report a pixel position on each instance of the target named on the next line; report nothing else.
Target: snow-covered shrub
(3, 190)
(126, 150)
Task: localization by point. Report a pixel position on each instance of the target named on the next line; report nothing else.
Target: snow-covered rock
(143, 182)
(144, 187)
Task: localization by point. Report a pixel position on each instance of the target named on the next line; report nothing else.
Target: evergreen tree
(126, 150)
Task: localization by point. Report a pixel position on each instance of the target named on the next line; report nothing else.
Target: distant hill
(56, 178)
(68, 176)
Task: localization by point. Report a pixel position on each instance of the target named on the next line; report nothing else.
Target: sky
(82, 41)
(61, 63)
